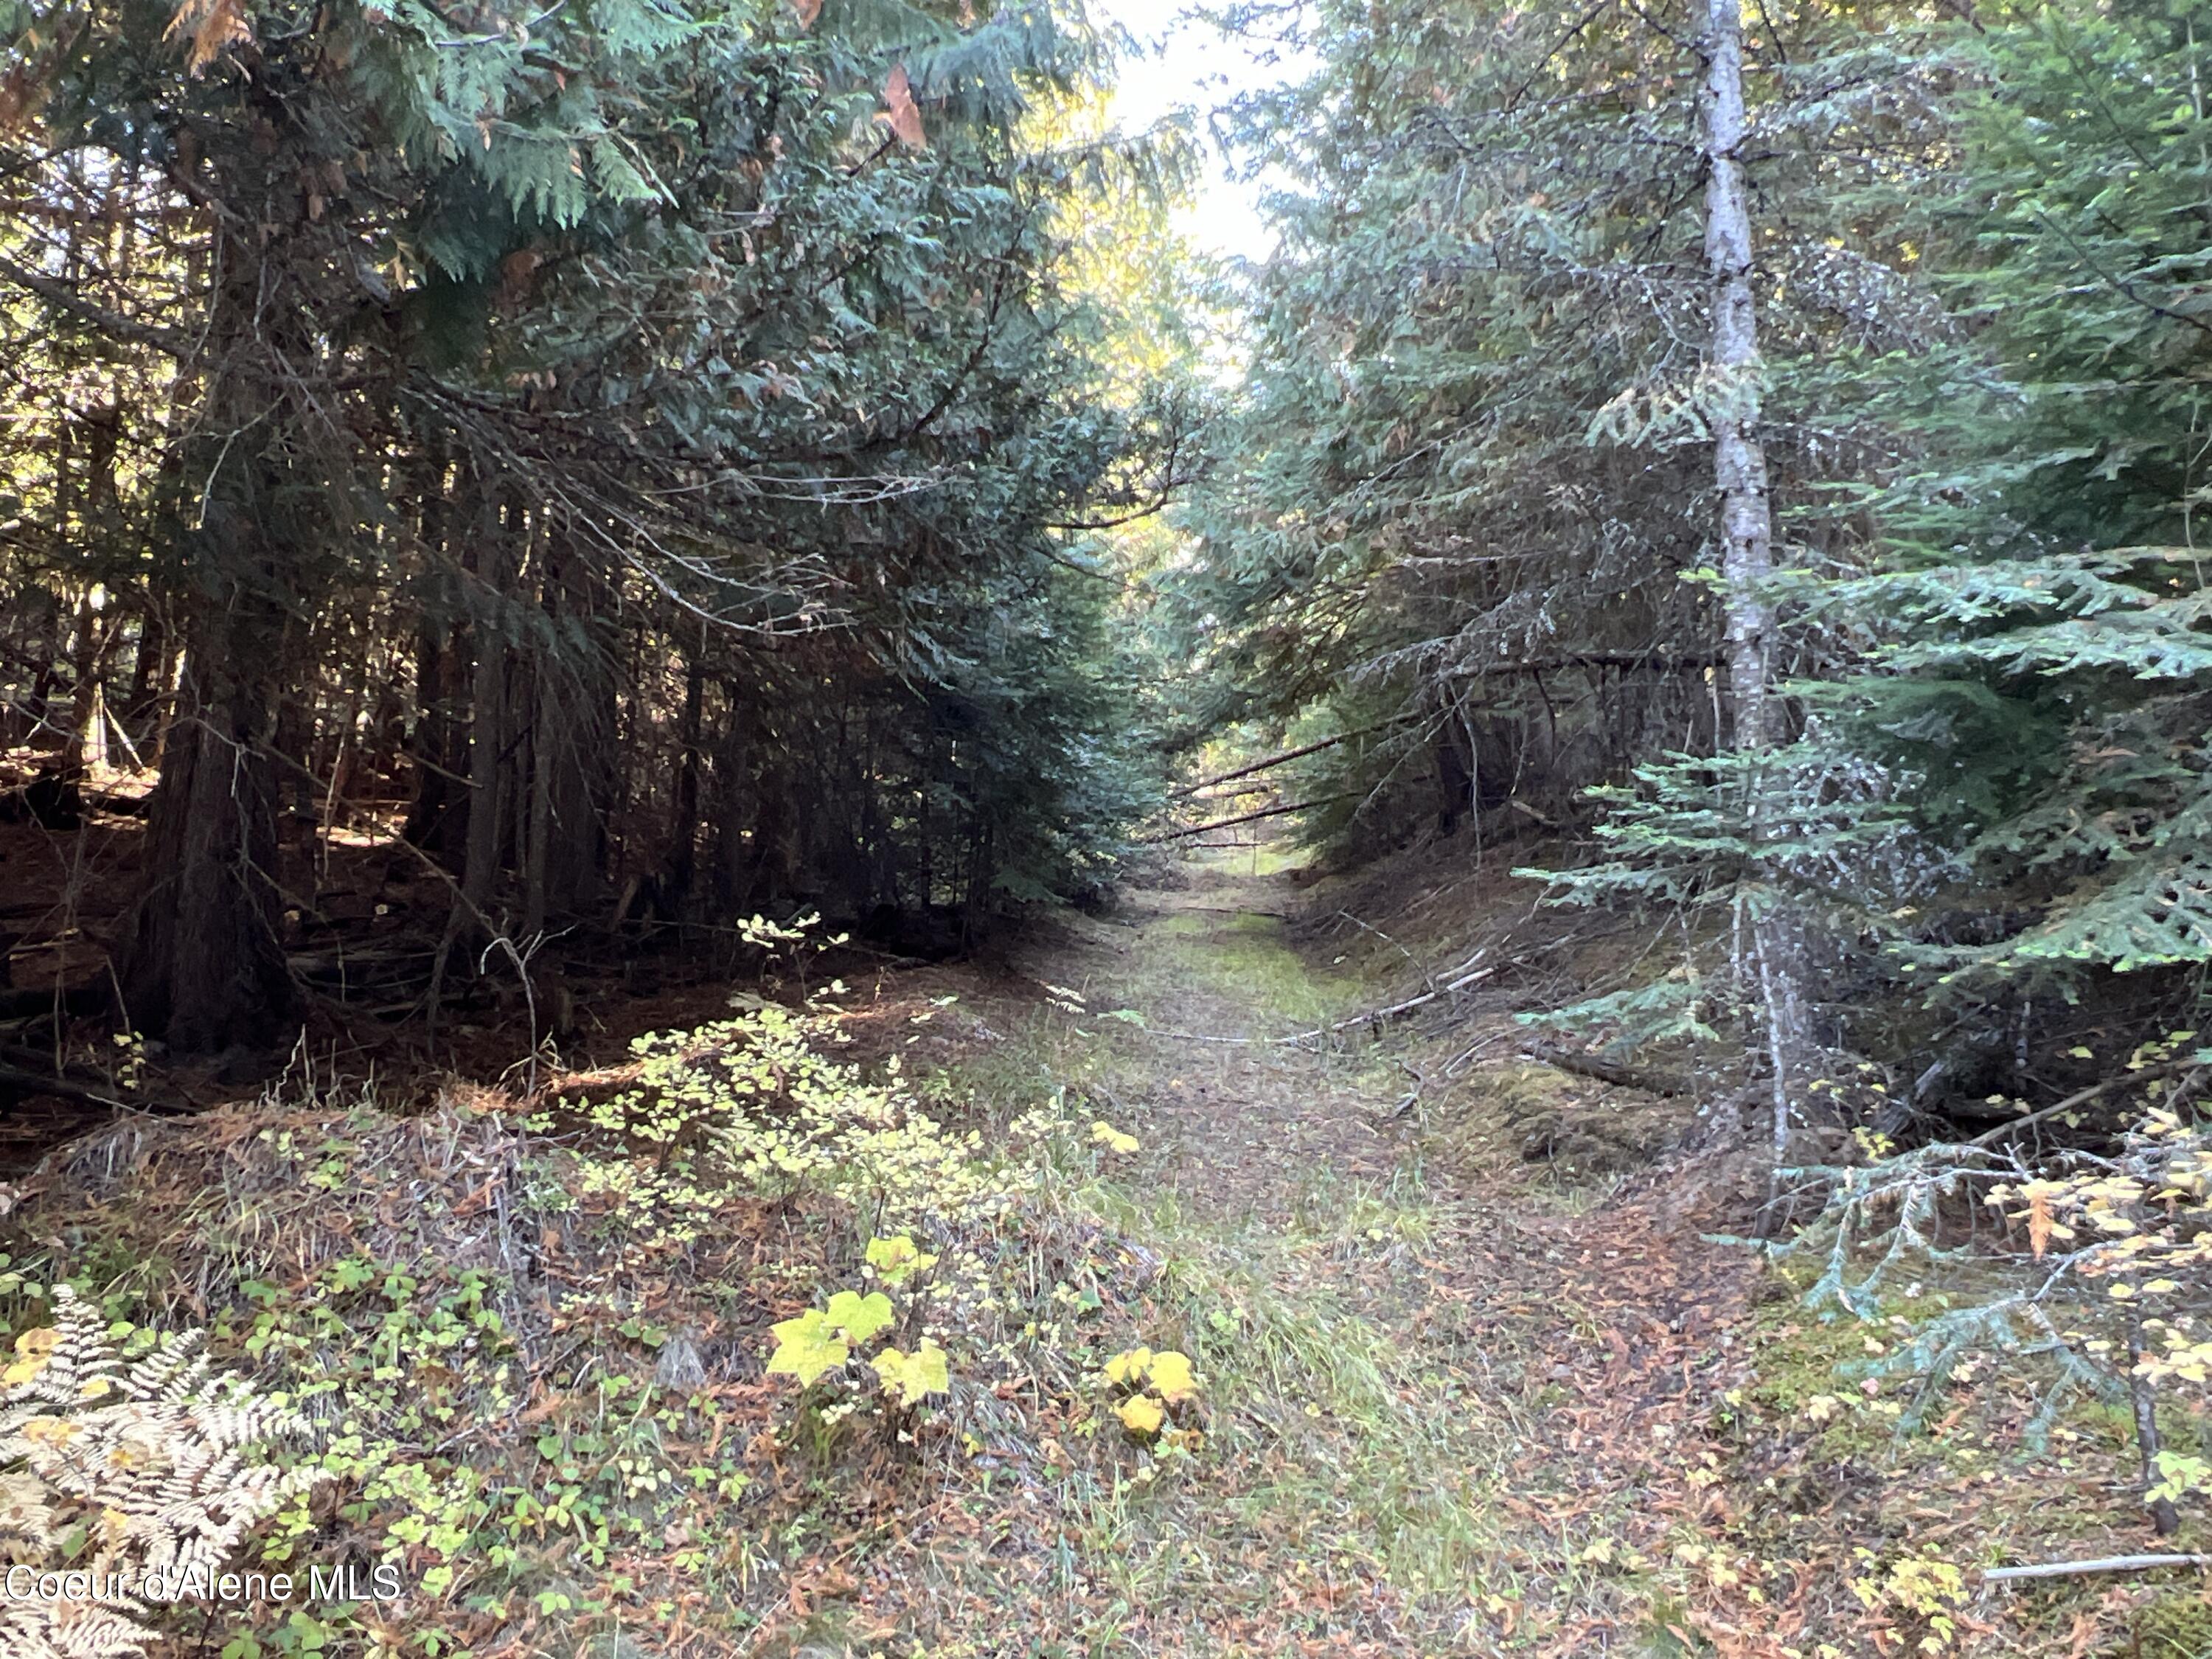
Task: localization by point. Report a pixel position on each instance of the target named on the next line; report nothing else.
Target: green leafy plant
(1919, 1595)
(822, 1339)
(898, 1259)
(910, 1378)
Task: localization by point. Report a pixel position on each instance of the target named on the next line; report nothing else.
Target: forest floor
(1467, 1398)
(1474, 1377)
(1490, 1385)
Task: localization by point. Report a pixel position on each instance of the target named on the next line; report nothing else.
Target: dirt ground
(1478, 1379)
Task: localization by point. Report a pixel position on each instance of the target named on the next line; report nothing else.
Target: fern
(132, 1472)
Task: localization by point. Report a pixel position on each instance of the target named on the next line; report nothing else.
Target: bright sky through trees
(1188, 63)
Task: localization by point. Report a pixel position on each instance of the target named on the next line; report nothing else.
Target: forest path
(1446, 1404)
(1238, 1118)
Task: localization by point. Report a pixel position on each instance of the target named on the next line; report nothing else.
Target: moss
(2175, 1626)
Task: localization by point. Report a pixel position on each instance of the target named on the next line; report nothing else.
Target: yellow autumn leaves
(34, 1351)
(822, 1339)
(1155, 1381)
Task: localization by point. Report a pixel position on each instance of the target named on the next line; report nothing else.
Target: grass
(1452, 1403)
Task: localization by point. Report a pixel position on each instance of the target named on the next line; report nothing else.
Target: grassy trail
(1456, 1395)
(1449, 1413)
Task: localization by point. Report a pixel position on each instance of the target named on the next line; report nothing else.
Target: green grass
(1335, 1446)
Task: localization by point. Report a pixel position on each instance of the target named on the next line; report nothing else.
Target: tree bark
(682, 868)
(1739, 459)
(88, 736)
(202, 966)
(1775, 937)
(488, 724)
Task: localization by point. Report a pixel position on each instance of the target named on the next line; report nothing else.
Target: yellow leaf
(1129, 1367)
(1112, 1139)
(805, 1347)
(911, 1377)
(35, 1349)
(1171, 1374)
(898, 1259)
(1141, 1414)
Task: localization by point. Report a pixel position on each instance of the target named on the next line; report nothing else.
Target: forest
(774, 880)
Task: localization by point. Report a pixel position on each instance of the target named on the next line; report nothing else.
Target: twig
(2144, 1398)
(2079, 1098)
(2104, 1564)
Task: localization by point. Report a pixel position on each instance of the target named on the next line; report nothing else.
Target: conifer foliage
(631, 437)
(1472, 510)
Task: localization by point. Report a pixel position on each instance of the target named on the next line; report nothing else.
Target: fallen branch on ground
(1604, 1071)
(2079, 1098)
(2104, 1564)
(17, 1085)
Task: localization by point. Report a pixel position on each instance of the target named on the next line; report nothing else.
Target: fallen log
(16, 1086)
(1604, 1071)
(1247, 818)
(36, 1002)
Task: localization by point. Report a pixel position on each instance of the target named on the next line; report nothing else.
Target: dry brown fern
(140, 1469)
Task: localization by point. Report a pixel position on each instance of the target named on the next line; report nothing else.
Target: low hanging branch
(1288, 754)
(1247, 818)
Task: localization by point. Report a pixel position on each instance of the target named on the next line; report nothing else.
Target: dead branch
(2103, 1564)
(1604, 1071)
(1288, 754)
(1248, 818)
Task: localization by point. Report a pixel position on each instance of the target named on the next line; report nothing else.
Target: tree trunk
(488, 724)
(202, 966)
(682, 868)
(149, 674)
(733, 855)
(1775, 937)
(1739, 461)
(88, 736)
(437, 816)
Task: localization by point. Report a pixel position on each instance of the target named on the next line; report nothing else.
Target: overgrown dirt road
(1453, 1406)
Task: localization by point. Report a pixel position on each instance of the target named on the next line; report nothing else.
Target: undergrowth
(1097, 1340)
(536, 1355)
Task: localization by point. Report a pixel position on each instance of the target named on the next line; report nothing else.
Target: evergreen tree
(692, 406)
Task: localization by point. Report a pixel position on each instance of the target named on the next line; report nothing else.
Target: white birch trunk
(1747, 519)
